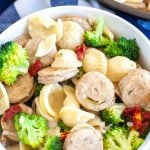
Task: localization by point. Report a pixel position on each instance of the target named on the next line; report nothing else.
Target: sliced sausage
(95, 91)
(21, 90)
(83, 139)
(134, 88)
(23, 39)
(50, 75)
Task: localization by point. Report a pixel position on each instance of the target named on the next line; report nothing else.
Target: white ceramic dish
(119, 26)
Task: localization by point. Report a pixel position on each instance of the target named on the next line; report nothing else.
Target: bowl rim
(85, 8)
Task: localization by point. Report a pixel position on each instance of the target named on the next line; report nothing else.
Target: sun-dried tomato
(145, 127)
(146, 116)
(81, 51)
(9, 113)
(130, 111)
(139, 118)
(64, 135)
(137, 121)
(35, 68)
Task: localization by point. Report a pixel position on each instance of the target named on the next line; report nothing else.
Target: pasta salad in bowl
(73, 80)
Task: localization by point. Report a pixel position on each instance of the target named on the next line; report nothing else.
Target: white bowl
(119, 26)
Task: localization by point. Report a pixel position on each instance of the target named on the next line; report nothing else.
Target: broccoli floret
(38, 88)
(13, 62)
(53, 143)
(119, 138)
(112, 115)
(31, 129)
(63, 127)
(133, 137)
(123, 47)
(95, 38)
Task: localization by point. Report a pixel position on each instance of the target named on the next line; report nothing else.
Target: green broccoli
(112, 114)
(38, 88)
(13, 62)
(53, 143)
(95, 38)
(119, 138)
(133, 137)
(123, 47)
(63, 127)
(31, 129)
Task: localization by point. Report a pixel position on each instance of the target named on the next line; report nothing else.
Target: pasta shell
(73, 35)
(70, 99)
(41, 26)
(40, 111)
(45, 20)
(58, 29)
(108, 33)
(118, 67)
(72, 116)
(66, 58)
(94, 60)
(45, 47)
(38, 26)
(82, 126)
(51, 98)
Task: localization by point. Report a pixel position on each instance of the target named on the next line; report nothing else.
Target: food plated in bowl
(82, 75)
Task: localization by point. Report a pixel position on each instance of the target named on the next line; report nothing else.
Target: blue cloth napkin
(10, 15)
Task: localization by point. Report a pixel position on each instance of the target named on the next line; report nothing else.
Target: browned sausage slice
(23, 39)
(21, 90)
(95, 91)
(83, 139)
(50, 75)
(135, 88)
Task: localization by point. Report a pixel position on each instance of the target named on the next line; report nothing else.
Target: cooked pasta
(72, 116)
(57, 29)
(40, 111)
(94, 60)
(73, 35)
(46, 46)
(97, 123)
(42, 26)
(51, 99)
(66, 58)
(108, 33)
(70, 99)
(118, 67)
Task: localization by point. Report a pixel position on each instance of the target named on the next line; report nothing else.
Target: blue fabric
(8, 17)
(4, 4)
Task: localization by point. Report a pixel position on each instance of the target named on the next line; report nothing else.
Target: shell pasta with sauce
(76, 86)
